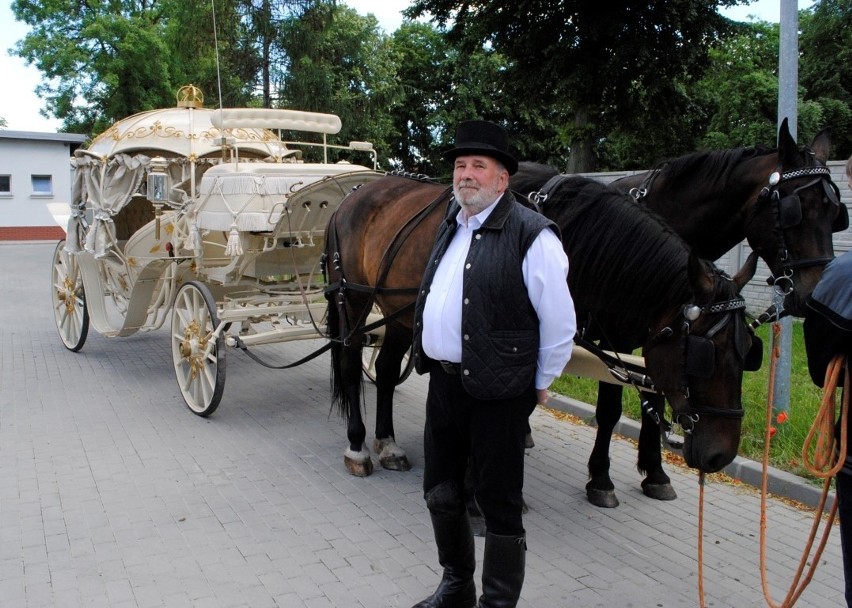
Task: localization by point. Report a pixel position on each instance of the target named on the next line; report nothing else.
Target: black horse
(629, 272)
(783, 201)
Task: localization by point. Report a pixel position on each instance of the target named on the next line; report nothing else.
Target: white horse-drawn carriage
(208, 215)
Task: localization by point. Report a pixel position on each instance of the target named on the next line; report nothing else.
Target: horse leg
(650, 463)
(600, 490)
(357, 457)
(396, 343)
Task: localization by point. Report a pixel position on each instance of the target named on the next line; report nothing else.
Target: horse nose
(718, 461)
(709, 459)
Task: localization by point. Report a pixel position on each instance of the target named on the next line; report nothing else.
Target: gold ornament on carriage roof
(190, 96)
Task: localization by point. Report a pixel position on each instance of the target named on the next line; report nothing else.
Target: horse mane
(710, 167)
(618, 251)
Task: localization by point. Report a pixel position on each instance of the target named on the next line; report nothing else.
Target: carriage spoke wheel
(370, 353)
(69, 302)
(198, 356)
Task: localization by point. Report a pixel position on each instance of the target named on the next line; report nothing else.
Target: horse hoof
(391, 456)
(602, 498)
(358, 464)
(528, 441)
(659, 491)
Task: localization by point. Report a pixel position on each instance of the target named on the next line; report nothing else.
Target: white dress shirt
(545, 270)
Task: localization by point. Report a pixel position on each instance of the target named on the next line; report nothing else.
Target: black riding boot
(454, 538)
(502, 571)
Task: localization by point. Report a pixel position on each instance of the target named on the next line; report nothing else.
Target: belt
(450, 368)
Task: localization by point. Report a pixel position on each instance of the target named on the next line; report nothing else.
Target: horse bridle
(688, 417)
(788, 214)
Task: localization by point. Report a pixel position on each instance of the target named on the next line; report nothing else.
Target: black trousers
(489, 433)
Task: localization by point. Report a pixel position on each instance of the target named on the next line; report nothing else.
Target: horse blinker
(754, 355)
(789, 211)
(700, 357)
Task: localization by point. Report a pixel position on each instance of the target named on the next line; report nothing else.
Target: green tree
(440, 86)
(597, 70)
(340, 62)
(103, 61)
(825, 68)
(739, 90)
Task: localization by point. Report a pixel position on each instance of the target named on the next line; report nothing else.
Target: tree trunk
(582, 158)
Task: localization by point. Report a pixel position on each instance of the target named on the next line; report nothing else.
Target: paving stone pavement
(112, 493)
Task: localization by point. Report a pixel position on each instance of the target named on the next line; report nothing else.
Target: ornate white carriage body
(208, 215)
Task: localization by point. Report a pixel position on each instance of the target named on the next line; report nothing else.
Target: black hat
(483, 138)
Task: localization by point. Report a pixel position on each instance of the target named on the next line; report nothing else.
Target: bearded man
(494, 325)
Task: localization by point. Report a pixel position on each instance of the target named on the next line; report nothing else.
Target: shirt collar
(476, 222)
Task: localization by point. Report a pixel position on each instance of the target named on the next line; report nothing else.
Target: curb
(780, 483)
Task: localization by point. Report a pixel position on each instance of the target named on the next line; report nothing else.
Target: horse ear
(821, 145)
(746, 273)
(700, 275)
(787, 147)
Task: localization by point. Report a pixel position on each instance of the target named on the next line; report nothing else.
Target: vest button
(466, 372)
(478, 236)
(466, 337)
(467, 265)
(467, 301)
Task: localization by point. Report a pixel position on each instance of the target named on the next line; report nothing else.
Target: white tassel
(234, 247)
(193, 239)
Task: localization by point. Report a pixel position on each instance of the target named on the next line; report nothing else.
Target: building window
(5, 185)
(42, 185)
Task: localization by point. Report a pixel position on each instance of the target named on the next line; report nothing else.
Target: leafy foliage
(825, 71)
(340, 62)
(601, 70)
(579, 88)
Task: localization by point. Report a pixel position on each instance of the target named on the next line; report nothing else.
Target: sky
(21, 107)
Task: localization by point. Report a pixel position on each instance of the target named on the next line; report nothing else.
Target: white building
(35, 180)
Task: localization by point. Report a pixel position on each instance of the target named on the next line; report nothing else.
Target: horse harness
(348, 329)
(788, 212)
(700, 352)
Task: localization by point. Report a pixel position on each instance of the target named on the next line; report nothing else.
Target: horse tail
(336, 321)
(334, 316)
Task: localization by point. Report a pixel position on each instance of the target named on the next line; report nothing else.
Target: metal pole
(788, 83)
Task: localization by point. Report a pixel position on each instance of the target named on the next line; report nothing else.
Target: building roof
(73, 138)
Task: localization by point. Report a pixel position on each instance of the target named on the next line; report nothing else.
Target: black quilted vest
(500, 334)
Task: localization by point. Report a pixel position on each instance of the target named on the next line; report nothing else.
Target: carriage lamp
(158, 189)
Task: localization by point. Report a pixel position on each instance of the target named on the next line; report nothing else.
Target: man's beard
(475, 200)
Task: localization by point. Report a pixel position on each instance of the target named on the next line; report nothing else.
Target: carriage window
(42, 185)
(5, 185)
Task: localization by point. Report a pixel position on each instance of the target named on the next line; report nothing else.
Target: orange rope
(823, 455)
(823, 426)
(701, 539)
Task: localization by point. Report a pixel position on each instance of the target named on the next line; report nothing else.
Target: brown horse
(629, 273)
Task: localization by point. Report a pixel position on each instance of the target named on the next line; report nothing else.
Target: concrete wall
(25, 215)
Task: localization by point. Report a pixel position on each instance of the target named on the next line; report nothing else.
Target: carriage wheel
(199, 358)
(370, 352)
(69, 302)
